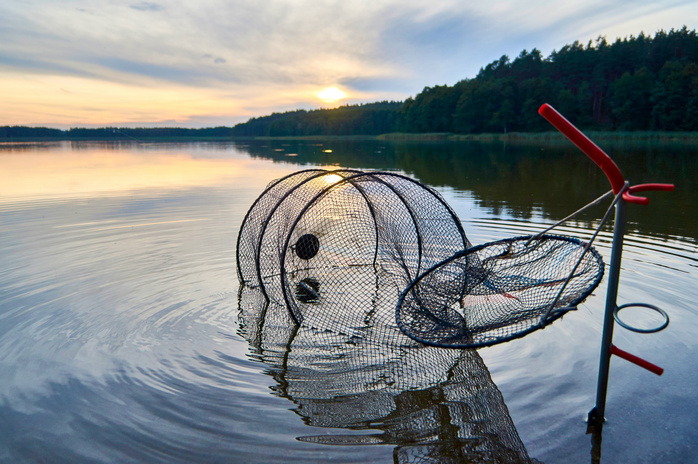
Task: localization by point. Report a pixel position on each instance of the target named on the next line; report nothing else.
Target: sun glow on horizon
(331, 95)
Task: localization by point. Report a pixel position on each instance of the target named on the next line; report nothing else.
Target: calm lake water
(124, 336)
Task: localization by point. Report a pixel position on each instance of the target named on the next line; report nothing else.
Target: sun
(331, 95)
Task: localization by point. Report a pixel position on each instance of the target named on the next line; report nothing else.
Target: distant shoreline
(513, 137)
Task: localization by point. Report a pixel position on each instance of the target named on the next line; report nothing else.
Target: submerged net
(359, 253)
(431, 404)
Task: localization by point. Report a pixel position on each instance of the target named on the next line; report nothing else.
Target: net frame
(254, 221)
(257, 218)
(389, 181)
(402, 224)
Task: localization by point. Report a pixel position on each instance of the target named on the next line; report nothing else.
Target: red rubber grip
(607, 165)
(645, 187)
(586, 145)
(629, 197)
(635, 360)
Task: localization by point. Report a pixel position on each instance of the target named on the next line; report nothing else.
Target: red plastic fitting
(636, 360)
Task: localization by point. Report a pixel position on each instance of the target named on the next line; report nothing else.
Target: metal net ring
(659, 328)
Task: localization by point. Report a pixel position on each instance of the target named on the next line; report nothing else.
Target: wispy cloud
(146, 6)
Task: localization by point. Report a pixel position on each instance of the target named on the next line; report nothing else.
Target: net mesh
(334, 246)
(354, 252)
(253, 226)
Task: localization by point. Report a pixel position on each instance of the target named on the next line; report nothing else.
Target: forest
(634, 84)
(638, 83)
(367, 119)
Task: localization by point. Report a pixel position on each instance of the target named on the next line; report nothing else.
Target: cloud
(146, 6)
(217, 60)
(178, 73)
(378, 85)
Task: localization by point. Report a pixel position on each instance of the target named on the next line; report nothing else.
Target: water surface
(124, 336)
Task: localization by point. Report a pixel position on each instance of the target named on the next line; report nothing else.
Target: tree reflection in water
(433, 404)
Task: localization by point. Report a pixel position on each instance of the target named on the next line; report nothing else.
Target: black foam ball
(307, 246)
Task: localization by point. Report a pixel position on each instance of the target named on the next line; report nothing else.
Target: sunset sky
(203, 63)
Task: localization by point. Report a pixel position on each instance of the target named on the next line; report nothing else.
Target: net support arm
(653, 368)
(622, 187)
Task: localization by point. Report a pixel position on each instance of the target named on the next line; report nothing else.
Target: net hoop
(663, 325)
(308, 232)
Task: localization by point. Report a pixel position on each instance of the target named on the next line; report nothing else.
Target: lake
(125, 336)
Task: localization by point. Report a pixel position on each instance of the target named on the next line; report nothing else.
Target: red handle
(615, 177)
(629, 197)
(586, 145)
(645, 187)
(635, 360)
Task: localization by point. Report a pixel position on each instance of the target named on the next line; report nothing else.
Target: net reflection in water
(433, 404)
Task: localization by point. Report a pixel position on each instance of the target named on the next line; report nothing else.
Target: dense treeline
(22, 132)
(638, 83)
(147, 133)
(633, 84)
(111, 133)
(367, 119)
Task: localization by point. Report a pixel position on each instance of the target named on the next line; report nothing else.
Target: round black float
(307, 246)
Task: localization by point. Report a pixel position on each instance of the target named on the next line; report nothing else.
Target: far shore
(512, 137)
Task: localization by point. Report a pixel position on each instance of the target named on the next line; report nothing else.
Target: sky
(206, 63)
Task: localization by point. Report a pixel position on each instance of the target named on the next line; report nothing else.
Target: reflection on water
(120, 339)
(104, 171)
(521, 180)
(434, 404)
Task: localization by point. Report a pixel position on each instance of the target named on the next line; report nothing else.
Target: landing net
(498, 291)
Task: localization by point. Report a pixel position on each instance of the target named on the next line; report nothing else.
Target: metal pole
(596, 415)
